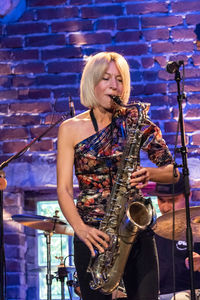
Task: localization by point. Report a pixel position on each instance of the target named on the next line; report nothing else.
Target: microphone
(71, 107)
(173, 66)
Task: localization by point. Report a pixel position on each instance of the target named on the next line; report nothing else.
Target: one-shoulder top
(97, 159)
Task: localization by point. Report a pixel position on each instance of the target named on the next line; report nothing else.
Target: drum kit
(53, 225)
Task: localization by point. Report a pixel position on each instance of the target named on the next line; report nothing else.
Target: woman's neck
(103, 117)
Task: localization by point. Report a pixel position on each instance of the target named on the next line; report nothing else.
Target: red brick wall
(42, 55)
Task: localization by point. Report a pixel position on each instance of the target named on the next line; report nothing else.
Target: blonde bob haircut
(94, 71)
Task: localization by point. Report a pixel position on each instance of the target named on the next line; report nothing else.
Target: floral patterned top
(97, 158)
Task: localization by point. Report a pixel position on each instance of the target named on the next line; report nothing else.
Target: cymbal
(163, 226)
(47, 224)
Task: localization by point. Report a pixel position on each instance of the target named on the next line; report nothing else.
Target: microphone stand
(2, 187)
(185, 171)
(3, 184)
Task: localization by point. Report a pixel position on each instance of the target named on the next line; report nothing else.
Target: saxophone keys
(130, 170)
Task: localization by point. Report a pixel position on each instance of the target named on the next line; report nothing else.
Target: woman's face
(110, 84)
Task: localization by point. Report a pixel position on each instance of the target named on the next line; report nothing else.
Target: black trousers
(140, 275)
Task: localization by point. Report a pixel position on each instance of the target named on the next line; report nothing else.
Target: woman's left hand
(140, 178)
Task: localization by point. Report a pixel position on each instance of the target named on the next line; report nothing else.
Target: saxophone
(127, 213)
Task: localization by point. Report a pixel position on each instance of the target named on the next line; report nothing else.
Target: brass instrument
(127, 213)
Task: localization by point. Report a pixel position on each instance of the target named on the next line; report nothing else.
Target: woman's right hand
(93, 237)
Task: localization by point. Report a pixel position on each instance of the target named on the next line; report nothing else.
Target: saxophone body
(127, 213)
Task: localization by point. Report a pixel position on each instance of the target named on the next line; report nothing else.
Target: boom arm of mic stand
(183, 151)
(5, 163)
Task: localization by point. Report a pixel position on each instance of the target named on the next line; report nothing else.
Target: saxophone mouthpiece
(117, 100)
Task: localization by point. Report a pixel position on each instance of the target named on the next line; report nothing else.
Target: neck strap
(94, 121)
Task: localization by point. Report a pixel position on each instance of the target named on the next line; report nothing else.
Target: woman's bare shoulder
(76, 121)
(75, 127)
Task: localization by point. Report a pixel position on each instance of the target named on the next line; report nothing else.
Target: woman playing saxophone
(93, 142)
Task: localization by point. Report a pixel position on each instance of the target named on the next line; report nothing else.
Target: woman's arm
(164, 174)
(159, 154)
(65, 161)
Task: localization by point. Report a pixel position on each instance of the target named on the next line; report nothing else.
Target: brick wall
(42, 56)
(15, 245)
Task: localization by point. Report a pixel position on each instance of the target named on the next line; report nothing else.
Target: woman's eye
(105, 78)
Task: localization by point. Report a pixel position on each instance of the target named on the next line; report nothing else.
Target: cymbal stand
(49, 276)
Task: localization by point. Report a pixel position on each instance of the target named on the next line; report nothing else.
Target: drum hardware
(63, 272)
(76, 287)
(50, 226)
(75, 284)
(164, 224)
(47, 224)
(49, 276)
(54, 269)
(43, 269)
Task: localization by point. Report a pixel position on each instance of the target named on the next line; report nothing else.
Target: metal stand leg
(61, 277)
(62, 273)
(49, 277)
(3, 184)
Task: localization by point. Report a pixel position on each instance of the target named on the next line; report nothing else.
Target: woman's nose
(113, 84)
